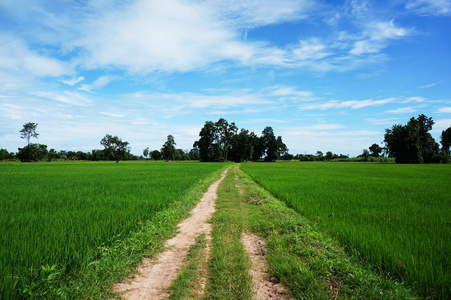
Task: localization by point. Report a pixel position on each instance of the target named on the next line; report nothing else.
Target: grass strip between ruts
(228, 274)
(187, 285)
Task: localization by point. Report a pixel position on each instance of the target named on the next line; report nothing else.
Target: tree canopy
(412, 143)
(115, 148)
(28, 131)
(220, 141)
(168, 150)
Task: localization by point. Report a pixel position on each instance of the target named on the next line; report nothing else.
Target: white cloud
(376, 36)
(256, 13)
(312, 49)
(199, 101)
(73, 81)
(97, 84)
(430, 85)
(413, 99)
(386, 121)
(111, 114)
(429, 7)
(17, 59)
(353, 104)
(402, 110)
(444, 110)
(441, 125)
(67, 97)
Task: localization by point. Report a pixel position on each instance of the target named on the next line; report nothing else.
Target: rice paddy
(55, 217)
(396, 217)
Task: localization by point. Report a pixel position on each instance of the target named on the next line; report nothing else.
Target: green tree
(365, 154)
(4, 154)
(32, 152)
(28, 131)
(224, 134)
(446, 140)
(376, 150)
(412, 143)
(269, 143)
(115, 148)
(146, 152)
(282, 149)
(155, 155)
(329, 155)
(168, 149)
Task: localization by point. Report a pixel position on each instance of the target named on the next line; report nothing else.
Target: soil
(264, 286)
(155, 275)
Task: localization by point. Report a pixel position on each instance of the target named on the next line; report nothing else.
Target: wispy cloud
(97, 84)
(444, 110)
(402, 110)
(429, 7)
(73, 81)
(430, 85)
(67, 97)
(17, 58)
(386, 121)
(353, 104)
(376, 36)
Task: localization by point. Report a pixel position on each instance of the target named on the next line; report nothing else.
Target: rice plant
(397, 217)
(54, 216)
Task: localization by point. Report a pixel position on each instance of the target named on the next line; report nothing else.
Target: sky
(325, 75)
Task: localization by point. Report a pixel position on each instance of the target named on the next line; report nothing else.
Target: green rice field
(396, 217)
(56, 216)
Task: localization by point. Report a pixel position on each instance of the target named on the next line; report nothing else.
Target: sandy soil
(155, 275)
(265, 287)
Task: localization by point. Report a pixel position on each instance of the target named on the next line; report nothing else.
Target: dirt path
(265, 287)
(155, 275)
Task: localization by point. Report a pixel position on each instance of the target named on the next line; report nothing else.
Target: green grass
(397, 217)
(65, 226)
(306, 260)
(187, 283)
(229, 264)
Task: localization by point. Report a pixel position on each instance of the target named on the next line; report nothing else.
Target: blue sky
(326, 75)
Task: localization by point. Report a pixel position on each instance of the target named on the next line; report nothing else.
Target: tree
(269, 144)
(4, 154)
(115, 148)
(32, 152)
(376, 150)
(329, 155)
(168, 149)
(412, 143)
(225, 133)
(155, 155)
(446, 140)
(282, 149)
(365, 154)
(146, 152)
(28, 131)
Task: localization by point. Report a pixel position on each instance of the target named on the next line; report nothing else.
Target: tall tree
(28, 131)
(146, 152)
(206, 142)
(446, 140)
(225, 133)
(282, 149)
(168, 149)
(269, 143)
(412, 143)
(115, 148)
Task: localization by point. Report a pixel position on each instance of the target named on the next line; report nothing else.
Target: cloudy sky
(326, 75)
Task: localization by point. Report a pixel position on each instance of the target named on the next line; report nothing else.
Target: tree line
(221, 141)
